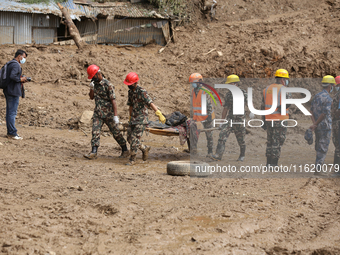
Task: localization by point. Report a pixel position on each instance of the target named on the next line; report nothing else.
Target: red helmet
(92, 70)
(337, 80)
(131, 78)
(195, 77)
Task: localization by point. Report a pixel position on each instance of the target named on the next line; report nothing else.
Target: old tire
(183, 168)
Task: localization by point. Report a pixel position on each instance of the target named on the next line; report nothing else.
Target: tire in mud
(183, 168)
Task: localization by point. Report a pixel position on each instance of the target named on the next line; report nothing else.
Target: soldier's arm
(224, 112)
(112, 96)
(312, 118)
(91, 94)
(326, 109)
(153, 107)
(209, 106)
(337, 111)
(228, 101)
(263, 108)
(130, 110)
(316, 123)
(114, 106)
(246, 100)
(289, 96)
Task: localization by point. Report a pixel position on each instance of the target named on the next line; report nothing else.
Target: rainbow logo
(209, 93)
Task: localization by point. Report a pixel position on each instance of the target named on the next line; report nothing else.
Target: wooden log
(73, 30)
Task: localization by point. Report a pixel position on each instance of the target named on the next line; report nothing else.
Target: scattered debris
(209, 52)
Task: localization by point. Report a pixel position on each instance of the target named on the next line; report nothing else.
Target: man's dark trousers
(12, 103)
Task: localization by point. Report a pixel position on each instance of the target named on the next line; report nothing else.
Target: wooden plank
(172, 132)
(164, 132)
(166, 32)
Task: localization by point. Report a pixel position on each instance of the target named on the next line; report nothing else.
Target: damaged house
(102, 23)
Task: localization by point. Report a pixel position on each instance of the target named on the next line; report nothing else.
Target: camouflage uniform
(103, 113)
(139, 100)
(322, 104)
(276, 135)
(238, 128)
(336, 124)
(208, 123)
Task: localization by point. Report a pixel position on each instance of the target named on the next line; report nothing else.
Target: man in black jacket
(13, 92)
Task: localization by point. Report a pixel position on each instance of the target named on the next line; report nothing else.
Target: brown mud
(53, 201)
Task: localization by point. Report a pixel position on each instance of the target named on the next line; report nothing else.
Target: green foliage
(179, 8)
(41, 1)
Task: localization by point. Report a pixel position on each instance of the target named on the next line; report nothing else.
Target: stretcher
(165, 132)
(168, 131)
(173, 131)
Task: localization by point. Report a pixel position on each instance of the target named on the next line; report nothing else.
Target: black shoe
(210, 153)
(92, 154)
(269, 161)
(275, 162)
(242, 154)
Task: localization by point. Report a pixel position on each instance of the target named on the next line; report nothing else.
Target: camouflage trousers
(276, 136)
(336, 136)
(322, 140)
(97, 127)
(226, 129)
(209, 135)
(134, 134)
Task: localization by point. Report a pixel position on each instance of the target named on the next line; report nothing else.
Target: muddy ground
(53, 201)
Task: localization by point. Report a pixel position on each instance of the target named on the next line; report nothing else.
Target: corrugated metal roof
(121, 9)
(76, 11)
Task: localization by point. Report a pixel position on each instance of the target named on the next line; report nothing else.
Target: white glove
(116, 119)
(91, 85)
(251, 115)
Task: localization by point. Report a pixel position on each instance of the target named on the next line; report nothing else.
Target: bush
(183, 9)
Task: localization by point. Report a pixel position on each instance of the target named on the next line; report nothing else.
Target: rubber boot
(336, 166)
(92, 154)
(125, 152)
(242, 153)
(269, 161)
(275, 162)
(210, 152)
(145, 150)
(132, 159)
(219, 151)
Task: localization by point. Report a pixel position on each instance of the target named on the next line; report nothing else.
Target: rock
(220, 54)
(86, 118)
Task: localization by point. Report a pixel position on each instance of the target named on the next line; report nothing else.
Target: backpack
(3, 74)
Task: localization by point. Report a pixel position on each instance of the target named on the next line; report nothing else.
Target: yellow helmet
(328, 79)
(283, 73)
(232, 78)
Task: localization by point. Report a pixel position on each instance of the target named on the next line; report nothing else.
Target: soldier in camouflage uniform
(276, 132)
(335, 112)
(322, 121)
(197, 116)
(138, 102)
(236, 123)
(102, 91)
